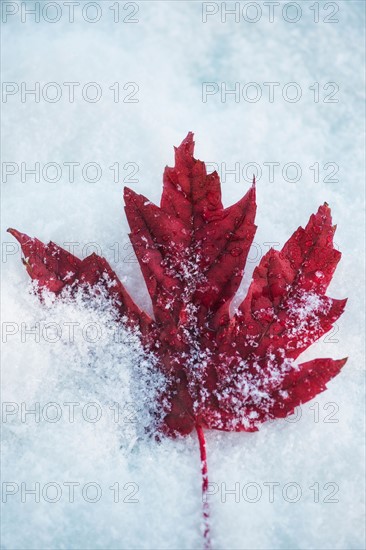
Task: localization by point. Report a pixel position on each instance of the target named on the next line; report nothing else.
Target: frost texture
(220, 372)
(284, 450)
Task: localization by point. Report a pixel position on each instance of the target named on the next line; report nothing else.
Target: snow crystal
(169, 53)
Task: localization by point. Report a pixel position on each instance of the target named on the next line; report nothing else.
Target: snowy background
(168, 54)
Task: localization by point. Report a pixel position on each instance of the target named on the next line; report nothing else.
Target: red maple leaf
(223, 372)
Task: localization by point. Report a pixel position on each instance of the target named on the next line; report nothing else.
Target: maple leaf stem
(204, 471)
(192, 252)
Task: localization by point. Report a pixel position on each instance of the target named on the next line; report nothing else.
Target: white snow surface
(169, 53)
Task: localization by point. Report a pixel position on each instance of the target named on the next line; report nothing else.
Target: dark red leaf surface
(222, 372)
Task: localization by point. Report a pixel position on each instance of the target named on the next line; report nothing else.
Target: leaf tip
(17, 234)
(128, 194)
(187, 145)
(338, 365)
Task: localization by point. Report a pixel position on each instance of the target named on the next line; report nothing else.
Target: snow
(77, 355)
